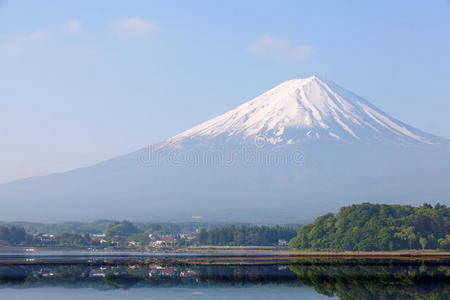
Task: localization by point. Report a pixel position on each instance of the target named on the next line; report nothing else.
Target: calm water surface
(255, 292)
(158, 279)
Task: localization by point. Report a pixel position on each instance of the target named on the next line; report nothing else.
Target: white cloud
(72, 26)
(22, 40)
(274, 46)
(18, 41)
(132, 27)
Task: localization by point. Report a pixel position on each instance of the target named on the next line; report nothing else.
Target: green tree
(377, 227)
(122, 229)
(423, 242)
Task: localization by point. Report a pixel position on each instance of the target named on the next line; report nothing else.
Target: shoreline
(212, 254)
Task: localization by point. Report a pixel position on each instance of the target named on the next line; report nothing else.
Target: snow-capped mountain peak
(302, 109)
(331, 148)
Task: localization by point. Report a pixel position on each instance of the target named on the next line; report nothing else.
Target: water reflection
(346, 279)
(351, 280)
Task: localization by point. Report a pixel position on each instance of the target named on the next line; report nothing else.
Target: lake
(157, 278)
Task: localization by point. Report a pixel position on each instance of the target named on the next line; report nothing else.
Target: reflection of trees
(250, 274)
(123, 282)
(349, 280)
(13, 275)
(370, 280)
(127, 276)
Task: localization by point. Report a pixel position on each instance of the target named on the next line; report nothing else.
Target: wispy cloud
(72, 26)
(132, 27)
(22, 40)
(274, 46)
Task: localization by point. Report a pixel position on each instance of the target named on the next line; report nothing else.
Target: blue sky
(83, 81)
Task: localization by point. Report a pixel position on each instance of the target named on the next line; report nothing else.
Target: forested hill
(377, 227)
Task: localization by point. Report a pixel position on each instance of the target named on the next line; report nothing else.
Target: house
(134, 244)
(97, 236)
(168, 239)
(156, 244)
(283, 243)
(188, 236)
(46, 237)
(163, 241)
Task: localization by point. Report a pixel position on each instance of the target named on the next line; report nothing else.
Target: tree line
(13, 236)
(245, 235)
(100, 226)
(120, 234)
(377, 227)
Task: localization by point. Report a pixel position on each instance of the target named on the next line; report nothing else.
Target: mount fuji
(305, 147)
(303, 109)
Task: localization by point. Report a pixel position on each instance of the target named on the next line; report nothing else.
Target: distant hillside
(378, 227)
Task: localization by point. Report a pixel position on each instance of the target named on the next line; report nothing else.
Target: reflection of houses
(157, 270)
(187, 274)
(154, 270)
(168, 272)
(98, 272)
(132, 267)
(155, 266)
(45, 272)
(97, 275)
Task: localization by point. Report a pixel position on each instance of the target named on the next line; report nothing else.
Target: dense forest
(245, 236)
(377, 227)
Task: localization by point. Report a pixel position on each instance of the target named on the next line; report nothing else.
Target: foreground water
(174, 279)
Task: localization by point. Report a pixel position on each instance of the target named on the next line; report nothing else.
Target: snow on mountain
(305, 109)
(351, 152)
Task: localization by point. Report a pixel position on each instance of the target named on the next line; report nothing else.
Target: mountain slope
(299, 150)
(302, 109)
